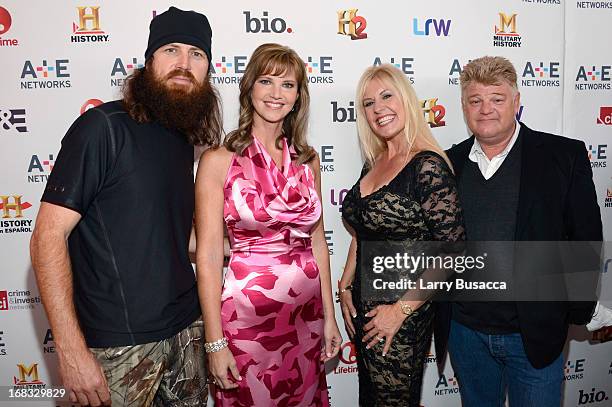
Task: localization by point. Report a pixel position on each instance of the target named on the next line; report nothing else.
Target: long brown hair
(197, 115)
(274, 59)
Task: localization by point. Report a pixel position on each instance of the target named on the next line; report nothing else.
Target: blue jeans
(486, 366)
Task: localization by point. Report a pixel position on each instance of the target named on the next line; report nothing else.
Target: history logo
(88, 27)
(506, 35)
(351, 24)
(434, 113)
(12, 208)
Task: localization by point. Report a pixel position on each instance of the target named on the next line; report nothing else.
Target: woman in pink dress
(270, 324)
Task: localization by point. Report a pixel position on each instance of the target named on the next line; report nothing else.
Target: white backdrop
(50, 74)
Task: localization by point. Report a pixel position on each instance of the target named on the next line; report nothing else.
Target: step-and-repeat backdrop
(60, 58)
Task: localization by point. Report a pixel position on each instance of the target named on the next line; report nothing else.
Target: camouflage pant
(171, 372)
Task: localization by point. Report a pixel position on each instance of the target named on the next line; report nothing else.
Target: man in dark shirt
(515, 184)
(110, 246)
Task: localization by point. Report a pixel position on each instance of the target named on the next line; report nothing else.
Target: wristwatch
(406, 308)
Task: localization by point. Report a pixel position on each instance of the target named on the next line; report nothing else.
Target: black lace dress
(419, 204)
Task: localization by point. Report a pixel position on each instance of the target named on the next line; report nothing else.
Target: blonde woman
(270, 326)
(406, 193)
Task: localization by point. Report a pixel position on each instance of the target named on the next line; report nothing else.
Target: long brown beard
(193, 112)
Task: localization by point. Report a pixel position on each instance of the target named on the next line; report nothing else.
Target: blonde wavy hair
(274, 59)
(488, 70)
(416, 130)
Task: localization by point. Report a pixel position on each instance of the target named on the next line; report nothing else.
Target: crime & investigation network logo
(605, 115)
(88, 27)
(351, 24)
(404, 64)
(13, 121)
(506, 35)
(122, 68)
(593, 77)
(6, 21)
(541, 74)
(39, 168)
(12, 208)
(18, 300)
(49, 74)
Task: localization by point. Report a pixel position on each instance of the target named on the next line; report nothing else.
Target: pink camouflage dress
(271, 306)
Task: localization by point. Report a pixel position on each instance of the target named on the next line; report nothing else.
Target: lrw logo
(592, 397)
(440, 26)
(264, 24)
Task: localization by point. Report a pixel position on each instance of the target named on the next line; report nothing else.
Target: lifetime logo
(441, 27)
(264, 24)
(88, 28)
(349, 23)
(6, 206)
(90, 104)
(605, 115)
(13, 119)
(5, 24)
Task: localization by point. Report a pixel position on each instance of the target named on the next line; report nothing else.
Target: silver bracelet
(215, 346)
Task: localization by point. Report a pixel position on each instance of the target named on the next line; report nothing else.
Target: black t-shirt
(133, 186)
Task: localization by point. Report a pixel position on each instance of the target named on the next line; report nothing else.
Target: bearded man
(110, 246)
